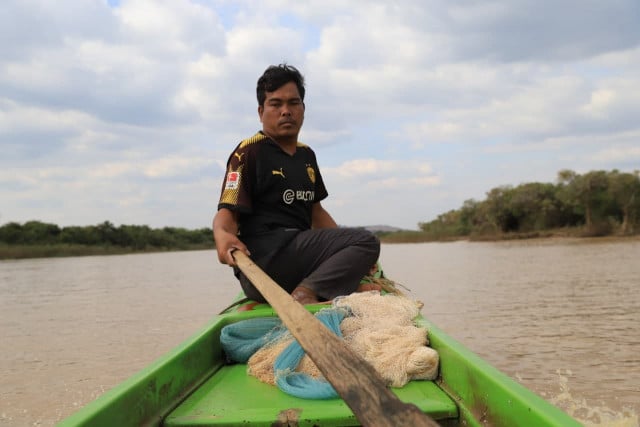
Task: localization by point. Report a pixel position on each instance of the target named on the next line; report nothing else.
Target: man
(270, 207)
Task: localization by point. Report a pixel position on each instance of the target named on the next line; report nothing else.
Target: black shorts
(330, 261)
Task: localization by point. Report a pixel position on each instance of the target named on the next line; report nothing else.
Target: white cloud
(412, 107)
(16, 117)
(618, 154)
(176, 26)
(376, 188)
(399, 182)
(174, 166)
(112, 170)
(359, 167)
(601, 100)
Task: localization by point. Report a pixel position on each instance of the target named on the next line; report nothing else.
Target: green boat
(194, 385)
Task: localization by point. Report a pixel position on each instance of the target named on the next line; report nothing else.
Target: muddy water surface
(559, 316)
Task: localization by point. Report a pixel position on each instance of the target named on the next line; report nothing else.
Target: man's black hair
(277, 76)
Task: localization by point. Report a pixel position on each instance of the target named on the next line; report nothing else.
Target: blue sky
(127, 110)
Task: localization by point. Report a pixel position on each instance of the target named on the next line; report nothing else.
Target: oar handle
(355, 380)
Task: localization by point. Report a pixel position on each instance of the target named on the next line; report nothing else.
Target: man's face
(282, 113)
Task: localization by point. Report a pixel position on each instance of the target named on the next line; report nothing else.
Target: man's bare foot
(304, 295)
(365, 287)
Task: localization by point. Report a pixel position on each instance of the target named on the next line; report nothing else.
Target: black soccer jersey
(270, 189)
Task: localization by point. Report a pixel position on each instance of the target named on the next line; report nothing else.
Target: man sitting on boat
(270, 205)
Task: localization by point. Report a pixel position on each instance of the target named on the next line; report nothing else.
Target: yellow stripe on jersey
(252, 140)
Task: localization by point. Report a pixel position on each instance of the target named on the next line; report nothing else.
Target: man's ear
(260, 111)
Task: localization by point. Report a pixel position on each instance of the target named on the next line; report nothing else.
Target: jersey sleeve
(320, 190)
(237, 182)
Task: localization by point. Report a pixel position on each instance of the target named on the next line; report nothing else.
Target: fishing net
(283, 362)
(380, 328)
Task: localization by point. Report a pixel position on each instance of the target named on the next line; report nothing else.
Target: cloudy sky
(127, 110)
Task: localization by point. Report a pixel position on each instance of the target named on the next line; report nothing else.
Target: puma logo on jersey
(276, 172)
(239, 156)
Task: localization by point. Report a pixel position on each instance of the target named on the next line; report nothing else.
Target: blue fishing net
(242, 339)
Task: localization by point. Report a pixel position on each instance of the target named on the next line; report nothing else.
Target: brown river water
(561, 317)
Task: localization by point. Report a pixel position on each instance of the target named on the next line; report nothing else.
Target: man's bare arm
(225, 234)
(320, 218)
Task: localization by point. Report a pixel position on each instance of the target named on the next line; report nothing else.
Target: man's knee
(367, 240)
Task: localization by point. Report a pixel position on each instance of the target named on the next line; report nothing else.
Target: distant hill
(382, 228)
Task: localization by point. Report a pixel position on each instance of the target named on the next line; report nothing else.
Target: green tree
(625, 191)
(11, 233)
(586, 193)
(535, 206)
(499, 209)
(446, 224)
(469, 217)
(36, 232)
(79, 235)
(107, 232)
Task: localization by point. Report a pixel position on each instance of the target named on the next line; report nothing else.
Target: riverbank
(398, 237)
(564, 233)
(68, 250)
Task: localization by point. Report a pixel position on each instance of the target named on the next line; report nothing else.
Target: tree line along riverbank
(35, 239)
(594, 204)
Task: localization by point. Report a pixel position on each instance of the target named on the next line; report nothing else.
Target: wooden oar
(352, 377)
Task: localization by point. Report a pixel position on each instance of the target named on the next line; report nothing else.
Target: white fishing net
(381, 329)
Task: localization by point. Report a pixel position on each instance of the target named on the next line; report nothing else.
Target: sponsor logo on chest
(289, 196)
